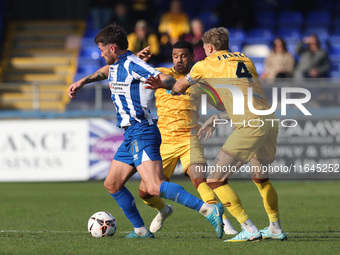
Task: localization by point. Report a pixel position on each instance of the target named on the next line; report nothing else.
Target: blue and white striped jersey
(131, 99)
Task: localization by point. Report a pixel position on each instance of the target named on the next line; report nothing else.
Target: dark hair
(284, 45)
(112, 34)
(183, 45)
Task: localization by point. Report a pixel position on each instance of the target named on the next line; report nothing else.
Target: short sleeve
(196, 73)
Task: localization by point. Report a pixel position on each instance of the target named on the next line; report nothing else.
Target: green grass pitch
(51, 218)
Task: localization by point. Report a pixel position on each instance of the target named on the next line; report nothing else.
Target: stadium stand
(35, 53)
(39, 60)
(265, 19)
(318, 18)
(290, 19)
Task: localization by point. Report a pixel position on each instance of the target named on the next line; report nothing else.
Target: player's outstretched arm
(99, 75)
(180, 86)
(209, 126)
(161, 81)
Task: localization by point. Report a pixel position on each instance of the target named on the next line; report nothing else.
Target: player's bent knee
(215, 185)
(153, 190)
(259, 180)
(111, 187)
(144, 195)
(197, 182)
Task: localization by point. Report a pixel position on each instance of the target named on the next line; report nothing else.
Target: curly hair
(112, 34)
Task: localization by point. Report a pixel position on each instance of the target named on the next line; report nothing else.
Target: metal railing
(97, 96)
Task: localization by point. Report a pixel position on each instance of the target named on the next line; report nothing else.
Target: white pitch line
(41, 231)
(165, 232)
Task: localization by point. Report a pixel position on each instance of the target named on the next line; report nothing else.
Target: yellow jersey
(174, 25)
(135, 46)
(175, 113)
(234, 69)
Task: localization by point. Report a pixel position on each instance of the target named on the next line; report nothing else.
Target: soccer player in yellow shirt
(178, 124)
(246, 143)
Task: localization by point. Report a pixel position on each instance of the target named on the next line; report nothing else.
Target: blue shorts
(141, 143)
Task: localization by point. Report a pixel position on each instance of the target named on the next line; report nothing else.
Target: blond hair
(218, 37)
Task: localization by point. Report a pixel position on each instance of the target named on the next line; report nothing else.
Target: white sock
(227, 224)
(141, 231)
(206, 209)
(275, 227)
(164, 210)
(249, 226)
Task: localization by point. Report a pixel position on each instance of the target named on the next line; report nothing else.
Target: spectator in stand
(314, 61)
(279, 63)
(197, 30)
(144, 9)
(173, 24)
(122, 17)
(101, 12)
(142, 38)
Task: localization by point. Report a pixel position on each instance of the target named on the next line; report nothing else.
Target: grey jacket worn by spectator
(313, 63)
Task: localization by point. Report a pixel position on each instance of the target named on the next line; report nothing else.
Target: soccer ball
(102, 224)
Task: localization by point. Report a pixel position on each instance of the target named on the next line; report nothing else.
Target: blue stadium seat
(318, 18)
(334, 58)
(89, 49)
(91, 33)
(237, 35)
(259, 64)
(289, 34)
(265, 19)
(334, 42)
(235, 47)
(290, 19)
(236, 39)
(88, 42)
(334, 74)
(291, 49)
(91, 52)
(209, 19)
(336, 25)
(88, 65)
(259, 36)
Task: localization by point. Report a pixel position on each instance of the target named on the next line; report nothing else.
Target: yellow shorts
(171, 152)
(259, 142)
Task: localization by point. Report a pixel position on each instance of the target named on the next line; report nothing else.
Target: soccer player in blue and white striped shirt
(140, 149)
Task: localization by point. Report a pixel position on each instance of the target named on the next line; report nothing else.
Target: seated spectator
(142, 38)
(173, 24)
(314, 61)
(197, 30)
(279, 63)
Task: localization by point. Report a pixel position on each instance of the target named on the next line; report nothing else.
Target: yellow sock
(207, 194)
(155, 202)
(270, 200)
(232, 202)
